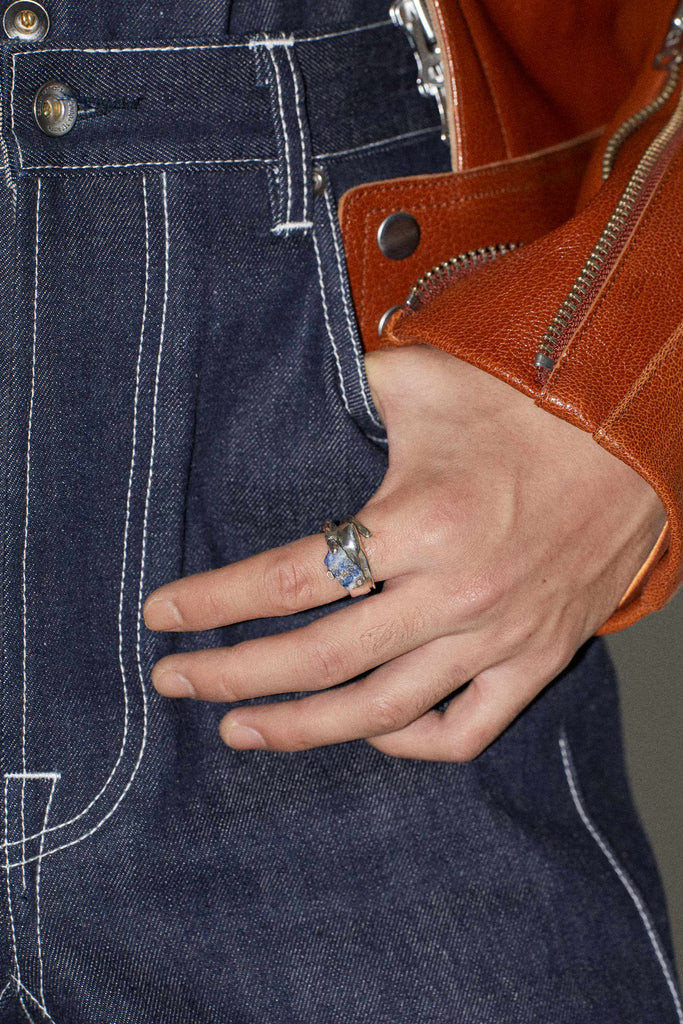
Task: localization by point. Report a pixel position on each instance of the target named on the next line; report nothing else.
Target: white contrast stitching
(293, 225)
(203, 46)
(86, 835)
(142, 163)
(9, 889)
(26, 1013)
(570, 774)
(53, 776)
(98, 796)
(376, 145)
(138, 761)
(5, 990)
(11, 107)
(302, 140)
(330, 332)
(33, 999)
(285, 133)
(25, 547)
(350, 323)
(270, 44)
(32, 775)
(40, 860)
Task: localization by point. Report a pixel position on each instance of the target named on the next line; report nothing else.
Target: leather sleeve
(596, 300)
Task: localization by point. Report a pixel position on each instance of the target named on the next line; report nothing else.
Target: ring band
(346, 560)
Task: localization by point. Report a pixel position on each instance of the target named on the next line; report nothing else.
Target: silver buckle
(413, 17)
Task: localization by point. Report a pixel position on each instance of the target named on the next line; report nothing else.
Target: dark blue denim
(182, 386)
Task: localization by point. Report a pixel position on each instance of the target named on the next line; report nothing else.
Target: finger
(280, 581)
(330, 650)
(388, 699)
(473, 718)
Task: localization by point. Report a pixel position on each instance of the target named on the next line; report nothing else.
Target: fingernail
(172, 684)
(241, 737)
(161, 613)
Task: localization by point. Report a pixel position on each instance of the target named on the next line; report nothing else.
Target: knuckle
(386, 713)
(392, 636)
(213, 604)
(470, 598)
(325, 663)
(469, 745)
(290, 585)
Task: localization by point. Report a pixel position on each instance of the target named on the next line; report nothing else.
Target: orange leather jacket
(556, 241)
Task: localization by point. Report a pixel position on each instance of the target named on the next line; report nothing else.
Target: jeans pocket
(341, 324)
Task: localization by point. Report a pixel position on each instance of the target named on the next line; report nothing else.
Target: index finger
(280, 581)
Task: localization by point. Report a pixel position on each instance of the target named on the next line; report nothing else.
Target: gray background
(649, 656)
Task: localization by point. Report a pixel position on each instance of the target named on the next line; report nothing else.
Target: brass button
(27, 20)
(398, 236)
(55, 108)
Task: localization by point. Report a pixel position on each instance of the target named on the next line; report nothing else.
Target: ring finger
(387, 700)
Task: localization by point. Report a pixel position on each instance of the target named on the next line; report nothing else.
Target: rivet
(398, 236)
(25, 19)
(319, 180)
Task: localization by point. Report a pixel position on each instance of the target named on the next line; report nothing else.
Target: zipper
(414, 18)
(631, 124)
(619, 228)
(452, 269)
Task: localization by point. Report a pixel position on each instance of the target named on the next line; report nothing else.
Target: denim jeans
(182, 386)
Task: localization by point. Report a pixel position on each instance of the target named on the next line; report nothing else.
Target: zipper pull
(413, 17)
(672, 48)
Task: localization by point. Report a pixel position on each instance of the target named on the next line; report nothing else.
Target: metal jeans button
(398, 236)
(55, 108)
(25, 19)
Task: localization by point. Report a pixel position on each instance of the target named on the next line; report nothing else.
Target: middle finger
(330, 650)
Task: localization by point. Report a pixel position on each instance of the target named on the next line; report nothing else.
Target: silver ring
(346, 560)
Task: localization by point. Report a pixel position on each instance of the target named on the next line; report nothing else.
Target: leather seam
(487, 79)
(455, 90)
(656, 362)
(520, 165)
(421, 186)
(457, 201)
(529, 186)
(615, 277)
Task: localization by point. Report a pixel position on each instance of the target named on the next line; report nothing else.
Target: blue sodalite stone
(343, 569)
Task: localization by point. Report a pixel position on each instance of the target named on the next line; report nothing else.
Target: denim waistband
(268, 99)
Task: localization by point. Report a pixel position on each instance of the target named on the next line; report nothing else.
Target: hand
(505, 536)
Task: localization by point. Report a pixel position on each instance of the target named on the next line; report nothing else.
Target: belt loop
(292, 190)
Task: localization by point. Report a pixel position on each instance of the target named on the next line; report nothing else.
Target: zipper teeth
(548, 346)
(454, 267)
(4, 154)
(629, 126)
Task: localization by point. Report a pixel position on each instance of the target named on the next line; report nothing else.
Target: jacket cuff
(585, 321)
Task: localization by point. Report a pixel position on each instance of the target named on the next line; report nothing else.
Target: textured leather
(514, 201)
(620, 377)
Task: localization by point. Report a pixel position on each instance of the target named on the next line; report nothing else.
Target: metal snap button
(55, 108)
(25, 19)
(398, 236)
